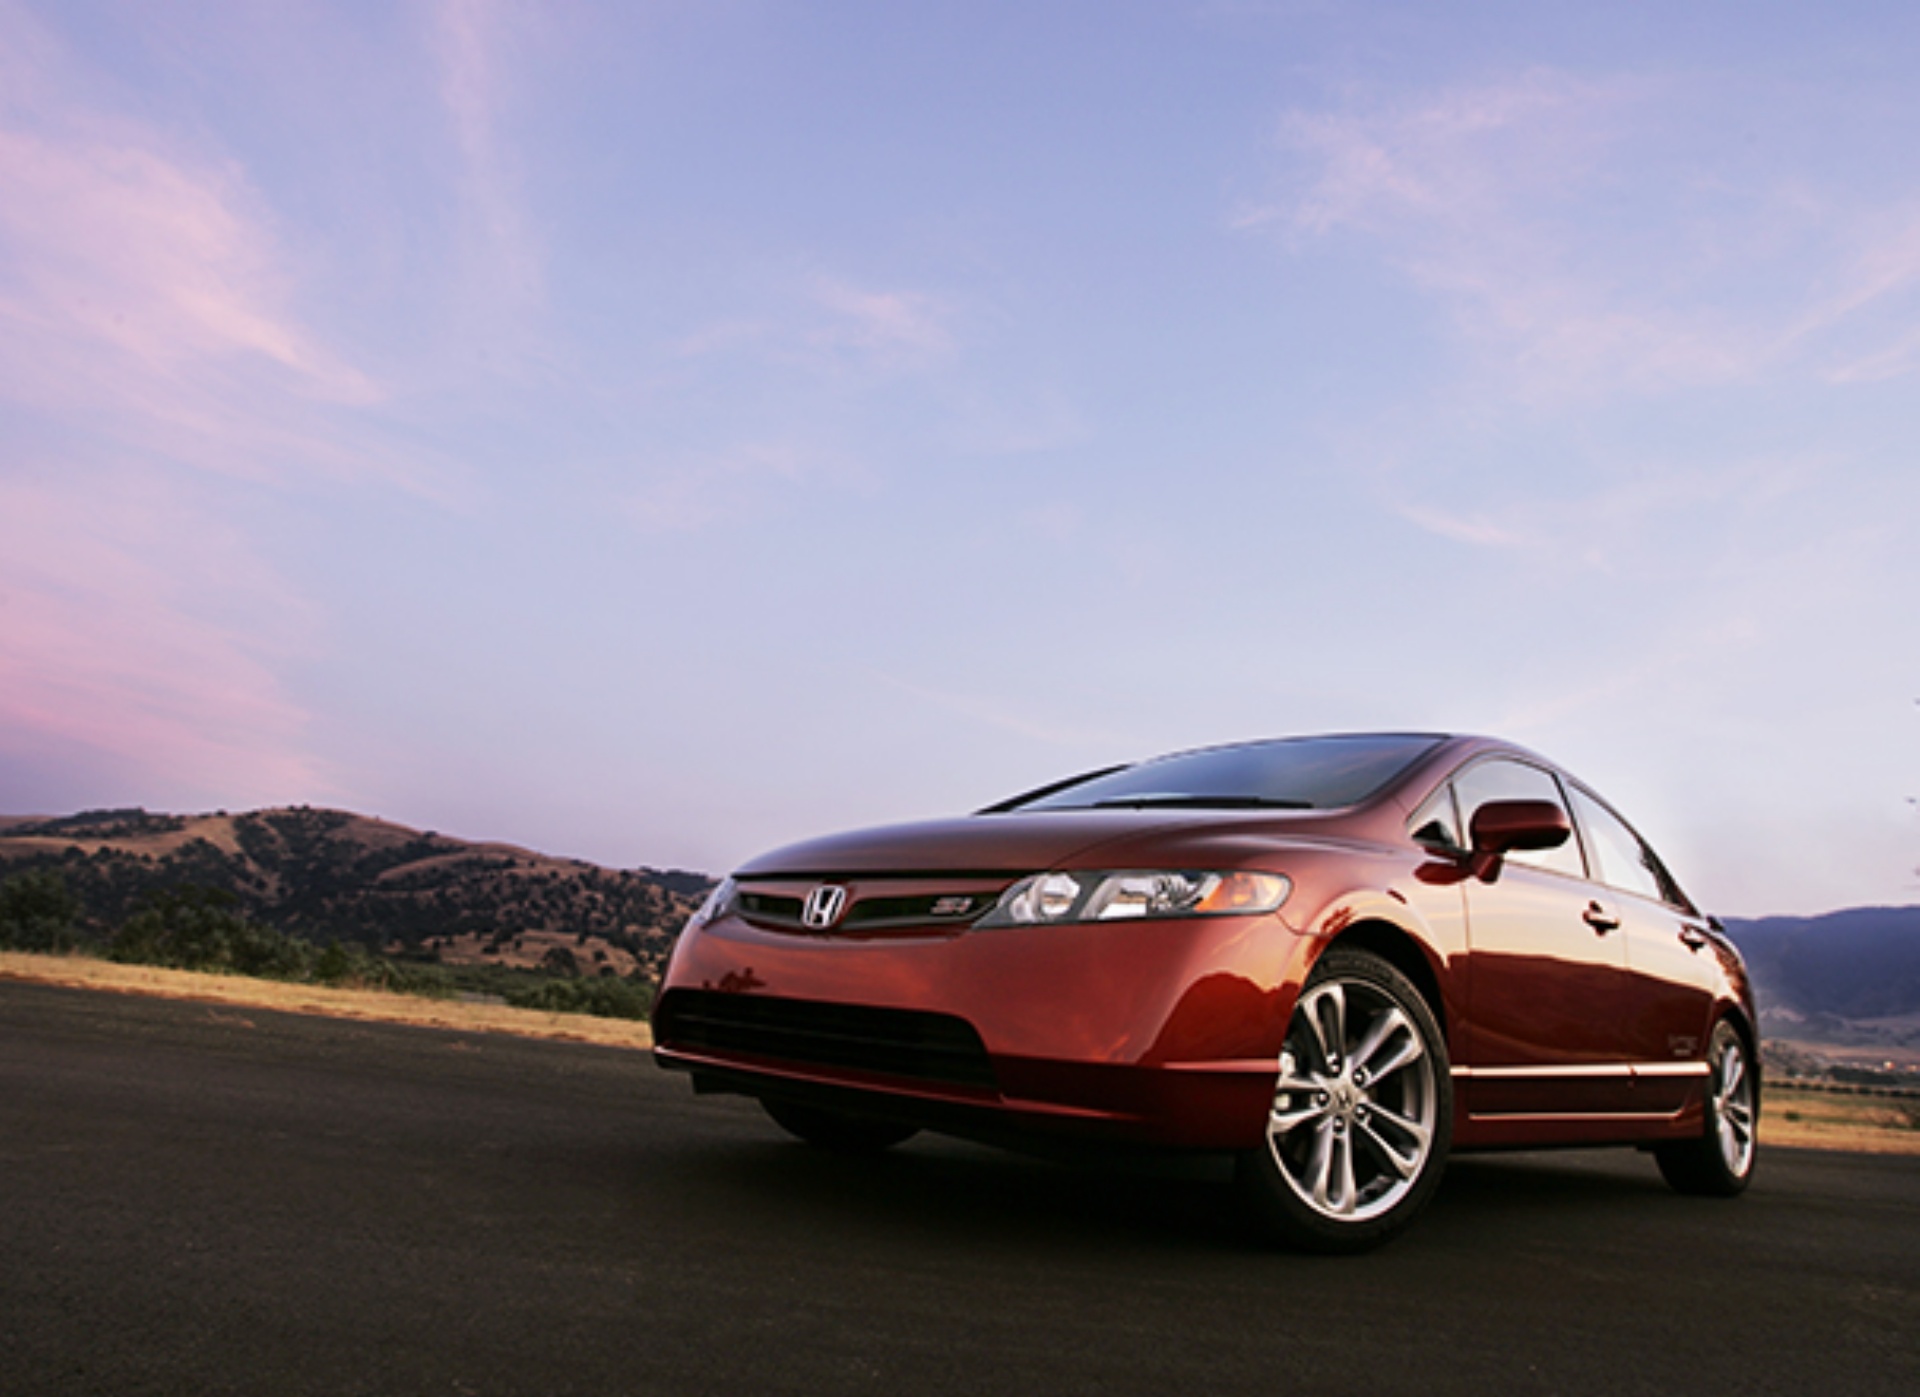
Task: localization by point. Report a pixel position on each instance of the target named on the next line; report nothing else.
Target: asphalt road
(202, 1200)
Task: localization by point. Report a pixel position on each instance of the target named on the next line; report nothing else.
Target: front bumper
(1159, 1032)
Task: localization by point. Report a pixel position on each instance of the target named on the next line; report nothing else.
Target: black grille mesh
(897, 1042)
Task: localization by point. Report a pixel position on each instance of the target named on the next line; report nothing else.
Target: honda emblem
(824, 906)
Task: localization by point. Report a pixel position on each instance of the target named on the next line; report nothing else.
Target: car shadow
(949, 1192)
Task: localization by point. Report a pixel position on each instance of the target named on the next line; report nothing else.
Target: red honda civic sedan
(1338, 958)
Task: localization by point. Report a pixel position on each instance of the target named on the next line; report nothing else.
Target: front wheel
(1720, 1160)
(1362, 1111)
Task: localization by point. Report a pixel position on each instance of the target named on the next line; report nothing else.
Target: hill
(1863, 963)
(328, 875)
(1847, 979)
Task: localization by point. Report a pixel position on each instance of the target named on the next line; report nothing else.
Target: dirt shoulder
(1822, 1120)
(83, 972)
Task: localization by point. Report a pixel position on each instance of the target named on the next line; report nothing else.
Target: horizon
(9, 819)
(662, 433)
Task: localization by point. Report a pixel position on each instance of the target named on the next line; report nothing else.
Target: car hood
(1020, 842)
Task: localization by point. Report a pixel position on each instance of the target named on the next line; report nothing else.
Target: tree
(191, 927)
(37, 912)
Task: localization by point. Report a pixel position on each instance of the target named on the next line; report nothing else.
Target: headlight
(719, 902)
(1054, 898)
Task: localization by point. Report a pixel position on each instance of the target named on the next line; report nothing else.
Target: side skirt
(1588, 1104)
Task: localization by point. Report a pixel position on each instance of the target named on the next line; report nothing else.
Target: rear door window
(1621, 858)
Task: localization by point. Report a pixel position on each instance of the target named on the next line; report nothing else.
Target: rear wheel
(1720, 1161)
(1362, 1111)
(834, 1130)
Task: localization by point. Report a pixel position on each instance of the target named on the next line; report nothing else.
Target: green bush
(344, 963)
(37, 912)
(605, 997)
(196, 928)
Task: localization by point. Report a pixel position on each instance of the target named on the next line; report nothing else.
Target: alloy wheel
(1733, 1108)
(1355, 1105)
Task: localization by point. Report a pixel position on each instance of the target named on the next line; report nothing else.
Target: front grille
(909, 911)
(939, 904)
(768, 907)
(896, 1042)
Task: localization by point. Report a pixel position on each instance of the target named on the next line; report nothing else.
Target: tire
(1362, 1112)
(1719, 1163)
(831, 1130)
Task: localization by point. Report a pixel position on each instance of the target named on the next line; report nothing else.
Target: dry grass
(87, 973)
(1819, 1120)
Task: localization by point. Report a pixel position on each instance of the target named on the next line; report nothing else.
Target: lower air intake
(897, 1042)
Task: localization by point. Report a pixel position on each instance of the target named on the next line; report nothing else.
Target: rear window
(1297, 773)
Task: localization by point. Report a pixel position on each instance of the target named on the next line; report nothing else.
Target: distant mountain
(1839, 988)
(1863, 963)
(328, 875)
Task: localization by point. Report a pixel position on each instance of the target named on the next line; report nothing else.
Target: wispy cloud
(137, 287)
(1580, 239)
(1452, 156)
(889, 328)
(1879, 286)
(1895, 360)
(1613, 524)
(690, 495)
(813, 359)
(833, 326)
(119, 242)
(506, 261)
(158, 338)
(1479, 530)
(154, 305)
(1000, 716)
(132, 628)
(140, 256)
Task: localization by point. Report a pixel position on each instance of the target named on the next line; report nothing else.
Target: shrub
(198, 928)
(345, 963)
(605, 997)
(189, 928)
(37, 912)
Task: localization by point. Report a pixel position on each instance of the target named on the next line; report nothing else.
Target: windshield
(1300, 773)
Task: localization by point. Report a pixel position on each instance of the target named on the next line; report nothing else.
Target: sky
(655, 432)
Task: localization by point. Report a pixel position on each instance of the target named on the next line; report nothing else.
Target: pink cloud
(1584, 245)
(1606, 527)
(149, 293)
(161, 264)
(833, 326)
(134, 628)
(1877, 287)
(503, 259)
(902, 326)
(694, 494)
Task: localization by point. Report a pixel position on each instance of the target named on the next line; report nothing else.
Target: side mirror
(1502, 826)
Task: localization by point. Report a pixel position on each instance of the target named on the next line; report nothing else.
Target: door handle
(1693, 937)
(1600, 919)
